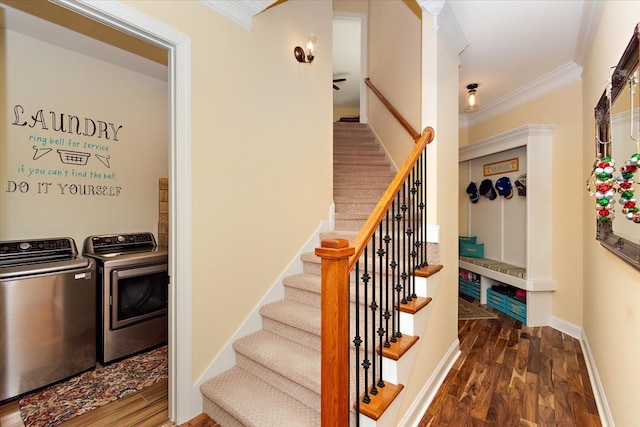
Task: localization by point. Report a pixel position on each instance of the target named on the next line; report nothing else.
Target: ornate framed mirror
(617, 136)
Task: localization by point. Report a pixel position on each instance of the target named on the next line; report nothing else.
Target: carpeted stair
(276, 380)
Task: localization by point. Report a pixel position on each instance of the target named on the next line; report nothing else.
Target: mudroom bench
(534, 311)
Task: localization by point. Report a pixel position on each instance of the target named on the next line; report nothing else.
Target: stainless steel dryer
(133, 290)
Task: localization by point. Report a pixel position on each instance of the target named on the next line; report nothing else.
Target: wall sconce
(472, 98)
(308, 57)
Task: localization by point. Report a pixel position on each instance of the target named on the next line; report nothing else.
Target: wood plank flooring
(147, 408)
(512, 375)
(508, 375)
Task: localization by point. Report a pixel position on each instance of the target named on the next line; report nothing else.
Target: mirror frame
(624, 248)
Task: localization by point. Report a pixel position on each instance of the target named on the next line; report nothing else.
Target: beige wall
(394, 38)
(611, 309)
(52, 195)
(262, 154)
(563, 108)
(351, 6)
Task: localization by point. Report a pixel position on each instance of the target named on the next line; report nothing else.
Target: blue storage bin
(472, 250)
(496, 300)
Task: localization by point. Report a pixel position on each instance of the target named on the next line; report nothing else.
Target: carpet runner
(90, 390)
(468, 311)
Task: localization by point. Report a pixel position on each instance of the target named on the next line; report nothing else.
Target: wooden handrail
(389, 195)
(405, 124)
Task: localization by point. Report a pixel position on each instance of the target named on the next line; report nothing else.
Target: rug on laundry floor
(90, 390)
(468, 311)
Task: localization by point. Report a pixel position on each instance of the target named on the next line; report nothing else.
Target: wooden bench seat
(499, 266)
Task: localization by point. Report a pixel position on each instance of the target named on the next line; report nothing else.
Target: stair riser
(313, 299)
(373, 166)
(362, 192)
(292, 333)
(354, 207)
(380, 179)
(218, 414)
(302, 394)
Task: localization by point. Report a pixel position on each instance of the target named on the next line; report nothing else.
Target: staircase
(276, 379)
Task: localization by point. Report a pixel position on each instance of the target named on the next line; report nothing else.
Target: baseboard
(566, 327)
(428, 392)
(606, 419)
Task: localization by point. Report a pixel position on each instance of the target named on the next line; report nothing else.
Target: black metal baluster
(387, 310)
(404, 258)
(422, 262)
(394, 267)
(398, 285)
(373, 306)
(366, 363)
(381, 329)
(357, 341)
(413, 255)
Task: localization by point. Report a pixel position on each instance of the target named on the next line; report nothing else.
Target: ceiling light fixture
(472, 98)
(307, 57)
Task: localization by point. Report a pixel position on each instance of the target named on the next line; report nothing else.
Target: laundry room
(83, 171)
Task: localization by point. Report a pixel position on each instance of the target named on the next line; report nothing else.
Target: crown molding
(557, 79)
(591, 14)
(239, 11)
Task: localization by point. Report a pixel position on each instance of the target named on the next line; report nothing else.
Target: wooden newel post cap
(335, 248)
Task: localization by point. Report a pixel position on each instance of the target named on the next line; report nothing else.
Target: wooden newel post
(335, 403)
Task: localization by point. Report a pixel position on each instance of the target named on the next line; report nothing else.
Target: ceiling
(516, 50)
(53, 24)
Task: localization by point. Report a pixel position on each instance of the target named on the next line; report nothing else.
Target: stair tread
(293, 313)
(253, 403)
(285, 357)
(303, 281)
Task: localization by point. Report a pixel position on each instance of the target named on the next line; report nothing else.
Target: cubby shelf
(526, 240)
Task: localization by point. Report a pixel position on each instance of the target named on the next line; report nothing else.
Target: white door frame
(184, 402)
(346, 16)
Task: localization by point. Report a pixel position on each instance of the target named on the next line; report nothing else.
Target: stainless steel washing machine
(47, 314)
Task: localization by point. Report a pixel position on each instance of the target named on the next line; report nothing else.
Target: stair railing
(378, 270)
(405, 124)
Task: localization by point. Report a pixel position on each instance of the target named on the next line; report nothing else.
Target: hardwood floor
(147, 408)
(508, 375)
(512, 375)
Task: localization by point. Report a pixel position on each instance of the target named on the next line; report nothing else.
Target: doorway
(176, 45)
(349, 67)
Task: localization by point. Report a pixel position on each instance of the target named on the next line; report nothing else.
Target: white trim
(566, 327)
(505, 141)
(419, 406)
(433, 234)
(591, 14)
(444, 18)
(557, 79)
(239, 11)
(598, 391)
(182, 404)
